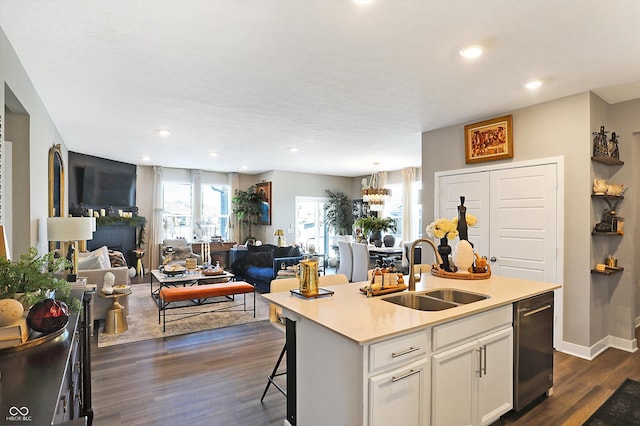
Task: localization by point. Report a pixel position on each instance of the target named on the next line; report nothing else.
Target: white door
(517, 217)
(475, 188)
(523, 222)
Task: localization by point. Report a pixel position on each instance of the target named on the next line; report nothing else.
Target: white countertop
(350, 313)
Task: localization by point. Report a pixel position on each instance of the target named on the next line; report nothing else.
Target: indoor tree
(339, 213)
(247, 209)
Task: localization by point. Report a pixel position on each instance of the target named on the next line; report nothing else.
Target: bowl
(121, 288)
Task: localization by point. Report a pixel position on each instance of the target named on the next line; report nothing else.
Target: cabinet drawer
(398, 350)
(464, 329)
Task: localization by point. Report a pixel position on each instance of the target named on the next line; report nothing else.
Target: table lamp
(279, 233)
(70, 230)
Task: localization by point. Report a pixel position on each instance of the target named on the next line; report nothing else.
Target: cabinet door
(400, 396)
(454, 385)
(495, 384)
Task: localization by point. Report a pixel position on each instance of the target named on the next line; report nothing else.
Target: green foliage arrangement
(33, 275)
(247, 208)
(339, 213)
(371, 224)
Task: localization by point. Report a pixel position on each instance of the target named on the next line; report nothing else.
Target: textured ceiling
(347, 84)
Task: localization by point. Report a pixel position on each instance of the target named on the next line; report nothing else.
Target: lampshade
(373, 193)
(278, 233)
(70, 228)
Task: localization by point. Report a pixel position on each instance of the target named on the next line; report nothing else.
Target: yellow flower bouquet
(442, 228)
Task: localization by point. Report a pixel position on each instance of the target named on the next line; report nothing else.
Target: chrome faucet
(412, 260)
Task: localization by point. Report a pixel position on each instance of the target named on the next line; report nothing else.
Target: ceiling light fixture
(372, 193)
(164, 133)
(471, 52)
(533, 84)
(213, 154)
(294, 149)
(146, 158)
(362, 1)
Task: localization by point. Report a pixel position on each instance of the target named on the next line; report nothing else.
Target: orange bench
(199, 293)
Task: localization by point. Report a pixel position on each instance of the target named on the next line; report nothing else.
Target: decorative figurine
(109, 279)
(600, 148)
(614, 149)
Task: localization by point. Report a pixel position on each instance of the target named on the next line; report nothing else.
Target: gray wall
(42, 135)
(594, 307)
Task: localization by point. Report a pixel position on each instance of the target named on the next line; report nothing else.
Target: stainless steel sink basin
(435, 300)
(420, 302)
(456, 296)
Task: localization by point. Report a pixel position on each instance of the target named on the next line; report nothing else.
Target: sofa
(94, 265)
(259, 265)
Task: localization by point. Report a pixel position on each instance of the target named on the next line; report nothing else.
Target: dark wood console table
(50, 383)
(219, 251)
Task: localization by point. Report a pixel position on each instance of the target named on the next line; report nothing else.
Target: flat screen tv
(96, 182)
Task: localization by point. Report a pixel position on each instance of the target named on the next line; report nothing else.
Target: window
(183, 218)
(214, 218)
(176, 216)
(393, 208)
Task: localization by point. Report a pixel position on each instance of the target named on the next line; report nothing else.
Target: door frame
(558, 337)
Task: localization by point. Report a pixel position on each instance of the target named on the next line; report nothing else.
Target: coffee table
(188, 278)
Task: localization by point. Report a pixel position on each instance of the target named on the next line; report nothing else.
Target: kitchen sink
(420, 302)
(435, 300)
(456, 296)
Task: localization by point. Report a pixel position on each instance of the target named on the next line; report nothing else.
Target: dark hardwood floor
(217, 377)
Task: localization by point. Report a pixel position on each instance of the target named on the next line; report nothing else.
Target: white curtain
(196, 208)
(156, 231)
(408, 178)
(234, 226)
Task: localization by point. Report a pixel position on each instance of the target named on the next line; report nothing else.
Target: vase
(375, 238)
(444, 250)
(389, 240)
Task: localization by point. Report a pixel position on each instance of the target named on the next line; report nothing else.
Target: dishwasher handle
(538, 310)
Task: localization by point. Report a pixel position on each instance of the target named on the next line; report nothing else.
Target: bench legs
(162, 307)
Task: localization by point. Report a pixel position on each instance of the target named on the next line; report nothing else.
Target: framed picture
(489, 140)
(264, 190)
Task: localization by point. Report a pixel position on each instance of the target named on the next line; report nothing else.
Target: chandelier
(373, 194)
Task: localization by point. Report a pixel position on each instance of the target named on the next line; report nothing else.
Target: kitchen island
(365, 361)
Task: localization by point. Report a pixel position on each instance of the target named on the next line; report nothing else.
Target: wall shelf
(607, 271)
(610, 161)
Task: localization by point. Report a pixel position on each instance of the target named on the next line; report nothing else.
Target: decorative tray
(36, 338)
(322, 292)
(173, 273)
(481, 275)
(385, 290)
(209, 272)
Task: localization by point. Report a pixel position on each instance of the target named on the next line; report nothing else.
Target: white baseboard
(589, 353)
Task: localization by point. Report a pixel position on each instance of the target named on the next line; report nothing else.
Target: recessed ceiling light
(533, 84)
(213, 154)
(294, 149)
(145, 158)
(362, 1)
(471, 52)
(243, 167)
(164, 133)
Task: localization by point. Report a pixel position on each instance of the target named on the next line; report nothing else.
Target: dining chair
(346, 259)
(334, 279)
(360, 262)
(275, 317)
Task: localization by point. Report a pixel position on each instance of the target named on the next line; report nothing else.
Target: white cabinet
(472, 379)
(399, 396)
(398, 391)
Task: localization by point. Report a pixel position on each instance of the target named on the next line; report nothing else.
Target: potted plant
(32, 278)
(374, 227)
(338, 213)
(247, 208)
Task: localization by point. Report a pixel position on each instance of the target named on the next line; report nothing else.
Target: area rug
(143, 324)
(622, 407)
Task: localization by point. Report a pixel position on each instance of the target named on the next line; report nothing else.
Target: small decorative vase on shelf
(444, 250)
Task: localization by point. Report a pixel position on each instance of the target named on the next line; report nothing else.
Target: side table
(115, 321)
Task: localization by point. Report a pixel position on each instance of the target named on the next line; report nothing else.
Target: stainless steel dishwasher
(533, 349)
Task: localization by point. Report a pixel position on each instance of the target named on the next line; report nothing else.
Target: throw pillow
(89, 262)
(117, 259)
(181, 253)
(281, 252)
(102, 253)
(294, 252)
